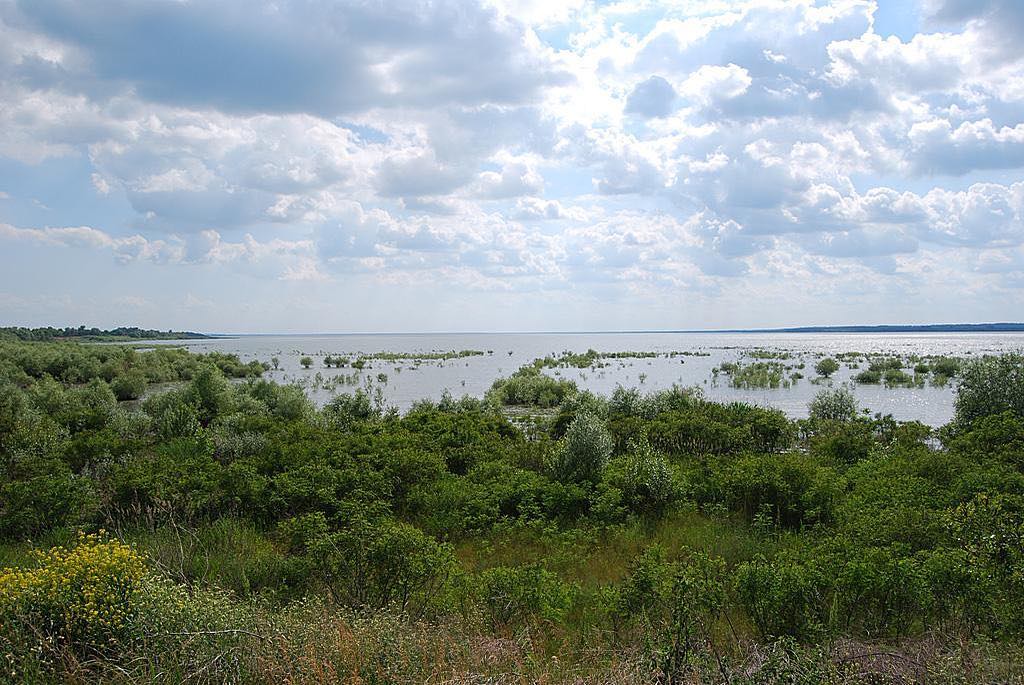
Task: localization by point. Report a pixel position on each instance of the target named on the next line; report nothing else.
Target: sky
(510, 165)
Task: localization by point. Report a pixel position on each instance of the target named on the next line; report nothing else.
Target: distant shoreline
(881, 328)
(898, 328)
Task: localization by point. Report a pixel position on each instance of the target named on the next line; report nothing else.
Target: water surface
(505, 352)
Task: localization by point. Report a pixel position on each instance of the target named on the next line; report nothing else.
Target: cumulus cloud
(515, 179)
(419, 174)
(653, 97)
(514, 145)
(323, 59)
(939, 148)
(208, 247)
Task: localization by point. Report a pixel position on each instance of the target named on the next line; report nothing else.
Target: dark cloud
(1002, 20)
(419, 176)
(652, 98)
(298, 55)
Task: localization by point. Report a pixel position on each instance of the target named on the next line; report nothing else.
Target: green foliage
(988, 386)
(792, 487)
(756, 375)
(838, 404)
(530, 387)
(129, 385)
(869, 377)
(646, 479)
(48, 334)
(517, 595)
(682, 538)
(346, 410)
(781, 597)
(373, 563)
(584, 451)
(39, 492)
(709, 428)
(826, 367)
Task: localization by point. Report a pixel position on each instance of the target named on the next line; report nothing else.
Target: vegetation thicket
(121, 333)
(221, 528)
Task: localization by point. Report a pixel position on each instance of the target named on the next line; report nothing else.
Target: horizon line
(988, 327)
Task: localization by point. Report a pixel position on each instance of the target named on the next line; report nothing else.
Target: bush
(377, 564)
(837, 404)
(647, 482)
(344, 411)
(989, 386)
(575, 405)
(878, 592)
(947, 367)
(210, 393)
(85, 595)
(869, 377)
(695, 431)
(584, 452)
(792, 487)
(781, 598)
(129, 385)
(826, 367)
(514, 596)
(39, 492)
(529, 386)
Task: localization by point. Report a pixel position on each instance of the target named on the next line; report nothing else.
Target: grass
(206, 620)
(594, 558)
(227, 553)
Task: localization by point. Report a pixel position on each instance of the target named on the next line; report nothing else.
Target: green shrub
(520, 595)
(794, 488)
(646, 480)
(837, 404)
(584, 451)
(989, 386)
(781, 597)
(379, 564)
(39, 492)
(529, 386)
(869, 377)
(129, 385)
(826, 367)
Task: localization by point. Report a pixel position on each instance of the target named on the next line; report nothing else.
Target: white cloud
(608, 150)
(515, 179)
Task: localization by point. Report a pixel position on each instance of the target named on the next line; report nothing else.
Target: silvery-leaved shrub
(584, 451)
(834, 404)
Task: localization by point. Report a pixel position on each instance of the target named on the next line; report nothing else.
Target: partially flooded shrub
(838, 404)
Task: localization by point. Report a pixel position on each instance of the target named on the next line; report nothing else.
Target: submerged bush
(837, 404)
(826, 367)
(529, 386)
(129, 385)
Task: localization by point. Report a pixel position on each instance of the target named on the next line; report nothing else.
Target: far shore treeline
(81, 333)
